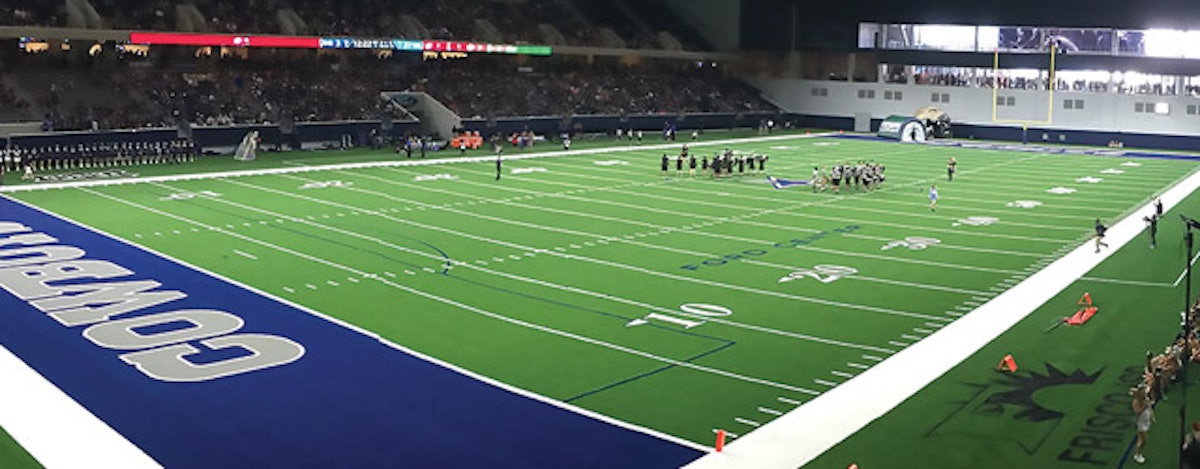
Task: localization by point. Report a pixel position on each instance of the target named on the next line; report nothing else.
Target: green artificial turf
(12, 455)
(571, 278)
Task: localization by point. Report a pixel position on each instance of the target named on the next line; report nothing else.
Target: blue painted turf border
(350, 401)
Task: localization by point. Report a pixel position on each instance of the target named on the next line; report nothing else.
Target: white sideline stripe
(55, 429)
(842, 374)
(393, 163)
(801, 435)
(788, 401)
(747, 422)
(245, 254)
(857, 365)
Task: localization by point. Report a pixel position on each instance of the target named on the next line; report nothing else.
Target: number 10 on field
(689, 309)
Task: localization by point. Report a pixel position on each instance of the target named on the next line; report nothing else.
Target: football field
(672, 305)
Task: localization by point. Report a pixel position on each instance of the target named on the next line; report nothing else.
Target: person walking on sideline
(1099, 237)
(933, 196)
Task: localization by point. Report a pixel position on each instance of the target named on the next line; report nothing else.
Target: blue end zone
(350, 401)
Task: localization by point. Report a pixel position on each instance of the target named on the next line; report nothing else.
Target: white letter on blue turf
(38, 255)
(169, 364)
(105, 300)
(122, 334)
(31, 282)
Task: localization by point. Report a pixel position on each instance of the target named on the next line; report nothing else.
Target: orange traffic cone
(1086, 299)
(1007, 364)
(720, 441)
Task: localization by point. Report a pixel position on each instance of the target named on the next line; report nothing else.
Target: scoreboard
(313, 42)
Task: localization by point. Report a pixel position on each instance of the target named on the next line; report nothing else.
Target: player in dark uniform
(1152, 223)
(1099, 237)
(665, 164)
(704, 163)
(951, 166)
(499, 163)
(692, 166)
(835, 177)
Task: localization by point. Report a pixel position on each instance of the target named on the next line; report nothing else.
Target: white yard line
(453, 302)
(660, 229)
(565, 288)
(616, 265)
(801, 435)
(54, 428)
(464, 307)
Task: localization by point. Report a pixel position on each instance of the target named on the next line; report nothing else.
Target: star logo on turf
(1089, 180)
(1061, 190)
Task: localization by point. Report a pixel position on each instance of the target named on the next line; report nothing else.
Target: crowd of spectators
(986, 80)
(259, 94)
(499, 91)
(10, 101)
(333, 87)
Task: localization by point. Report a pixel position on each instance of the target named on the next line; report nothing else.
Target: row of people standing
(97, 154)
(723, 164)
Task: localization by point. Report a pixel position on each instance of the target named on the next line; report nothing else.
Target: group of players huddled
(864, 175)
(723, 164)
(97, 155)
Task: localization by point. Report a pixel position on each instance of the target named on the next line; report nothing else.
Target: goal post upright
(996, 91)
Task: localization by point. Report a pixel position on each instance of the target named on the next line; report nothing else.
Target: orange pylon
(1007, 364)
(1086, 299)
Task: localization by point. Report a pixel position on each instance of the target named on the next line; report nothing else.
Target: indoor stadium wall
(1102, 118)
